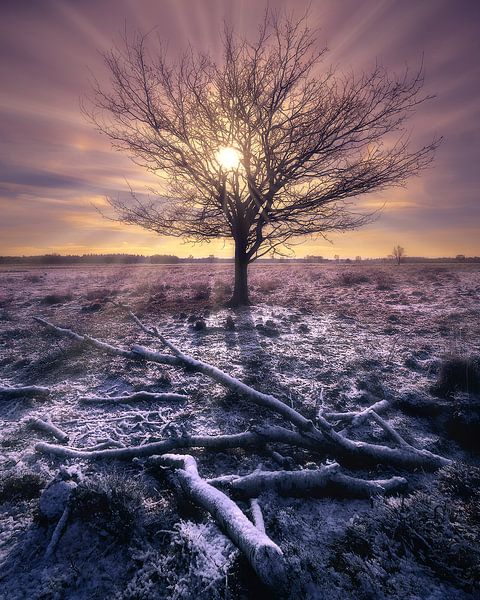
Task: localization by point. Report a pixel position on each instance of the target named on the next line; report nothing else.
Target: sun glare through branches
(228, 158)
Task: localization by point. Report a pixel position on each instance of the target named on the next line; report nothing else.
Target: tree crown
(308, 141)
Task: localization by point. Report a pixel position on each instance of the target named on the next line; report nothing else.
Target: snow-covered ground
(345, 334)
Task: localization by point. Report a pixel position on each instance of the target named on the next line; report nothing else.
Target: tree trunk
(240, 292)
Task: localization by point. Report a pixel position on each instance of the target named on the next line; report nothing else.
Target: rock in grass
(54, 499)
(267, 330)
(229, 323)
(200, 325)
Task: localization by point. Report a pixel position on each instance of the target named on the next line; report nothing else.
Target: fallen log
(318, 482)
(265, 557)
(28, 391)
(249, 439)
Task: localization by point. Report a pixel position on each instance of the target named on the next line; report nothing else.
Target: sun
(228, 157)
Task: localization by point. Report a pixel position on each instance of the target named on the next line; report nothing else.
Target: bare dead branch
(318, 482)
(48, 427)
(264, 556)
(28, 391)
(57, 533)
(136, 397)
(248, 439)
(342, 447)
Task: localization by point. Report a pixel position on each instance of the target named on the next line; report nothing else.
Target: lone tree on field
(398, 254)
(262, 146)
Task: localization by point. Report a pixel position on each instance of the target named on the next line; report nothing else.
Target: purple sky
(53, 164)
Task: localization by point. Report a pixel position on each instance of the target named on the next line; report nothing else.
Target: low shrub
(348, 278)
(377, 545)
(460, 481)
(20, 486)
(463, 425)
(383, 282)
(51, 299)
(197, 565)
(111, 504)
(458, 374)
(33, 278)
(200, 291)
(101, 294)
(267, 286)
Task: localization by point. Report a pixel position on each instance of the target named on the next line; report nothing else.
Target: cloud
(53, 163)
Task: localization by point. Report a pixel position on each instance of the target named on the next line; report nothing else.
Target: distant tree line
(168, 259)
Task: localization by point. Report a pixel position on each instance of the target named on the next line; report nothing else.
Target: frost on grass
(422, 544)
(196, 565)
(317, 337)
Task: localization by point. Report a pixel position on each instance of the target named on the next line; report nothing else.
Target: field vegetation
(324, 339)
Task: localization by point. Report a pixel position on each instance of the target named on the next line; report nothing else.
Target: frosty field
(334, 338)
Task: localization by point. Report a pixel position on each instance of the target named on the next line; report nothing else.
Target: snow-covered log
(318, 482)
(249, 439)
(48, 427)
(354, 487)
(27, 391)
(364, 453)
(136, 397)
(286, 483)
(265, 557)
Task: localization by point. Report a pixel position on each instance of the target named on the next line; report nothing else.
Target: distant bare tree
(398, 254)
(263, 146)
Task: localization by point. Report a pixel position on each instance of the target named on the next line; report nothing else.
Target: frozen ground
(358, 332)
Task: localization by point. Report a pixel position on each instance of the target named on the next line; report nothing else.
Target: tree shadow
(257, 360)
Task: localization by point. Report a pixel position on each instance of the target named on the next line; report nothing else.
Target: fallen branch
(231, 383)
(389, 430)
(257, 515)
(341, 447)
(286, 483)
(137, 396)
(48, 427)
(324, 481)
(358, 417)
(57, 534)
(406, 457)
(28, 391)
(248, 439)
(262, 553)
(90, 341)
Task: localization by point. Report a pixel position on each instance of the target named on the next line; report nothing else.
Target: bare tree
(263, 146)
(398, 254)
